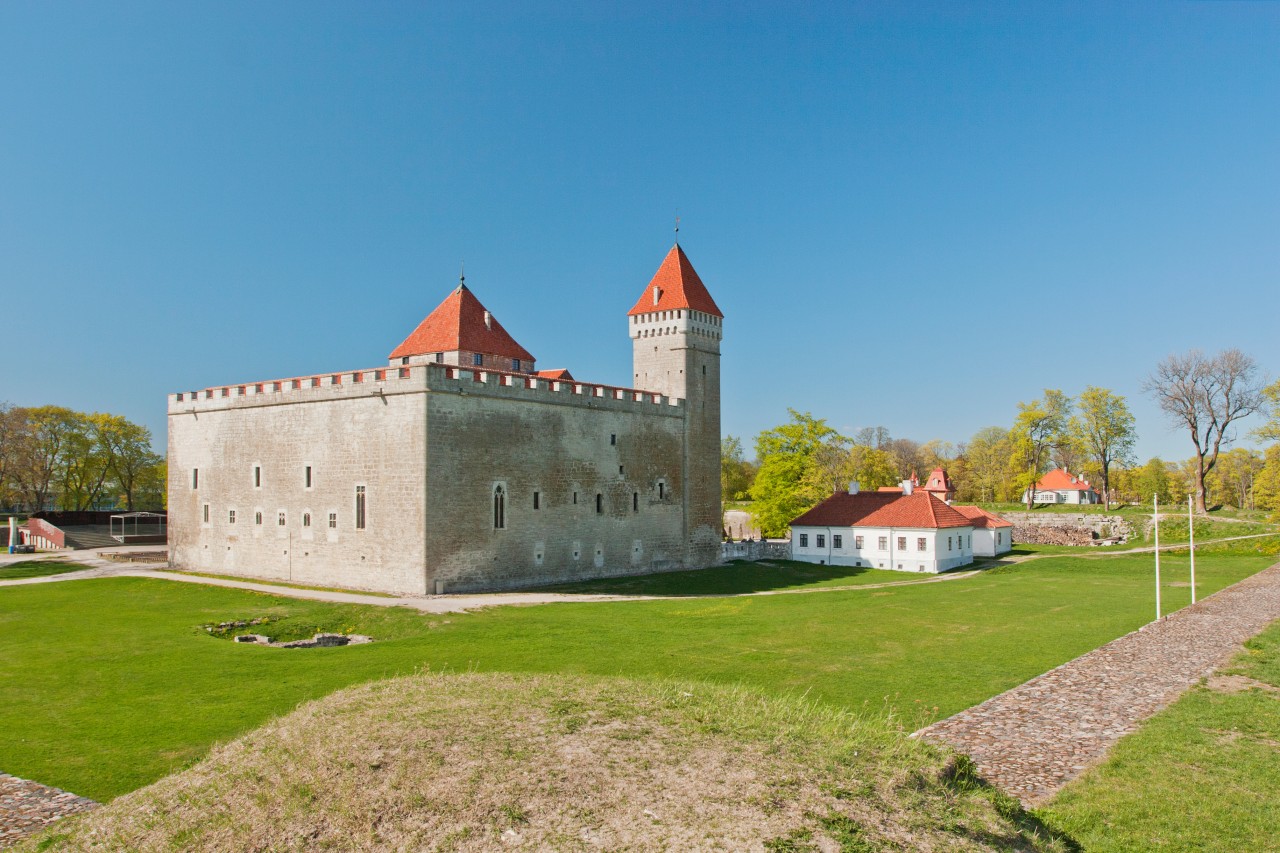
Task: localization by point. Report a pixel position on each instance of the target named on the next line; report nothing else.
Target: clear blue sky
(912, 215)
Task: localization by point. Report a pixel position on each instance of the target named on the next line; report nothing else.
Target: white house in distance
(906, 531)
(992, 535)
(1060, 486)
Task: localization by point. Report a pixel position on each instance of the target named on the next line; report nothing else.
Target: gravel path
(1033, 739)
(27, 807)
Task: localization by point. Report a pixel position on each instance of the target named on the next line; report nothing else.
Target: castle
(459, 466)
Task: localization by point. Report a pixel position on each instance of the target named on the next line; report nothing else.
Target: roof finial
(677, 230)
(462, 276)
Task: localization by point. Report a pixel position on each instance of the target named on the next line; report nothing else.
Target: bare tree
(1206, 395)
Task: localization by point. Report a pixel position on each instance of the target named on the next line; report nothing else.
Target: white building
(908, 532)
(1060, 486)
(992, 535)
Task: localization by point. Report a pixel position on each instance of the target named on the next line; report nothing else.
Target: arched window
(499, 507)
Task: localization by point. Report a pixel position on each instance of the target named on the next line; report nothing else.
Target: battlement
(419, 378)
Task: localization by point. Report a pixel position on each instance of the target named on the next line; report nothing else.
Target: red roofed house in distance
(1060, 486)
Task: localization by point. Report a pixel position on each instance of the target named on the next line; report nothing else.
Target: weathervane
(462, 275)
(677, 229)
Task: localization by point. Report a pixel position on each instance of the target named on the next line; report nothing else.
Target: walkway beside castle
(1032, 740)
(27, 807)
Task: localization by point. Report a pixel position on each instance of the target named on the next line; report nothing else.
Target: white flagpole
(1156, 516)
(1191, 529)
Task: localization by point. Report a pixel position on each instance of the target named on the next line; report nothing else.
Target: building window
(969, 541)
(280, 519)
(404, 359)
(195, 478)
(599, 502)
(948, 543)
(359, 507)
(477, 359)
(515, 364)
(822, 540)
(804, 540)
(635, 501)
(857, 542)
(922, 544)
(257, 476)
(621, 471)
(575, 498)
(439, 358)
(499, 508)
(837, 541)
(257, 517)
(206, 513)
(537, 500)
(884, 543)
(999, 538)
(231, 516)
(307, 477)
(306, 519)
(662, 490)
(613, 438)
(902, 543)
(333, 521)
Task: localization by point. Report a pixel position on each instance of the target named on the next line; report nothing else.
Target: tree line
(53, 457)
(799, 463)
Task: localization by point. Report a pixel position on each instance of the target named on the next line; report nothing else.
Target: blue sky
(913, 215)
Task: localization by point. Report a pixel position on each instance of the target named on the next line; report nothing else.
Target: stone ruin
(319, 641)
(1080, 529)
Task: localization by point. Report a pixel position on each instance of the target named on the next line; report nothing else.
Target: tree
(1106, 428)
(11, 431)
(42, 453)
(1206, 395)
(126, 447)
(790, 479)
(1266, 485)
(872, 468)
(1041, 425)
(989, 458)
(83, 469)
(1235, 473)
(1270, 430)
(1153, 480)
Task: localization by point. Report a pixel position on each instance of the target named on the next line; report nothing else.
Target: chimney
(488, 320)
(853, 487)
(907, 487)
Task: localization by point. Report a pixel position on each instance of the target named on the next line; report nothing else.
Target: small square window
(902, 543)
(804, 540)
(515, 364)
(837, 541)
(439, 358)
(333, 521)
(922, 544)
(884, 543)
(404, 359)
(477, 359)
(822, 540)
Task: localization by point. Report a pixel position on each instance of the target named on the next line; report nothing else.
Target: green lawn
(37, 569)
(106, 685)
(1201, 775)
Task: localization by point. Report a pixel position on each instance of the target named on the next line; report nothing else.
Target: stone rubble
(27, 807)
(1032, 740)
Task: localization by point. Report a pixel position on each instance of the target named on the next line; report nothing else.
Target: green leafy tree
(1266, 485)
(126, 447)
(736, 473)
(1041, 426)
(84, 468)
(1106, 429)
(872, 468)
(1153, 479)
(1270, 429)
(796, 465)
(991, 464)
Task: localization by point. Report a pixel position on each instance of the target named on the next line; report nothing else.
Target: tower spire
(462, 275)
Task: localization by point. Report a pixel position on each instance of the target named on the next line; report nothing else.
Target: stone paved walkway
(1033, 739)
(28, 807)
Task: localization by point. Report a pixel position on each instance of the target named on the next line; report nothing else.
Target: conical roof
(678, 286)
(459, 324)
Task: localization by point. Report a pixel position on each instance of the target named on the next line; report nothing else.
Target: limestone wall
(1067, 528)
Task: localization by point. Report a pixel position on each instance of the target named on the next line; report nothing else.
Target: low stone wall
(1068, 528)
(780, 550)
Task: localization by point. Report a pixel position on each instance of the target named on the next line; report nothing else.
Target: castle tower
(675, 333)
(462, 332)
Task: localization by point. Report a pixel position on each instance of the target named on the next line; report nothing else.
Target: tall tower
(675, 334)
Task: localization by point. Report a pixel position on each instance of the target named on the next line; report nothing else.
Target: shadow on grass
(733, 578)
(37, 569)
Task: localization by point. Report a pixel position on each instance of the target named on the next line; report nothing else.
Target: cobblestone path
(27, 807)
(1033, 739)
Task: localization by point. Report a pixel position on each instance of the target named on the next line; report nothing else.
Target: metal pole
(1191, 529)
(1156, 516)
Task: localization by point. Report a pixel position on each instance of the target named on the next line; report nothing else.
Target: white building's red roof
(882, 509)
(980, 517)
(1062, 480)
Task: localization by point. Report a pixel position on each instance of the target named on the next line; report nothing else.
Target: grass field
(106, 685)
(1201, 775)
(37, 569)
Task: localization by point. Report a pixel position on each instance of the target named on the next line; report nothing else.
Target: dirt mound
(485, 762)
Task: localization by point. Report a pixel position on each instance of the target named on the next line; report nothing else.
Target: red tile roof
(558, 373)
(980, 517)
(939, 481)
(1060, 480)
(678, 287)
(458, 324)
(882, 509)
